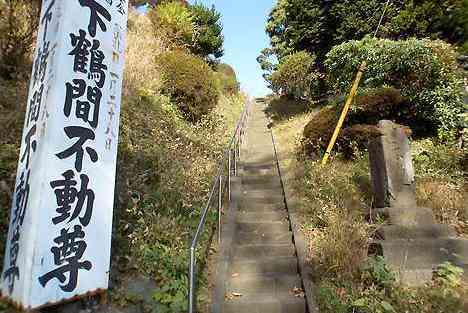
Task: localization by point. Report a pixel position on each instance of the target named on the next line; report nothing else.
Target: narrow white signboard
(61, 218)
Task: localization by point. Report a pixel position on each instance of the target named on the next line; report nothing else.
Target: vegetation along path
(262, 273)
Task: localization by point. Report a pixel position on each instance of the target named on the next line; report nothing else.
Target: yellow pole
(344, 112)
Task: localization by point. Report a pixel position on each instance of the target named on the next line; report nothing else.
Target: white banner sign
(61, 218)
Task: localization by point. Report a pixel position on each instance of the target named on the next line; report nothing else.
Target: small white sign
(61, 218)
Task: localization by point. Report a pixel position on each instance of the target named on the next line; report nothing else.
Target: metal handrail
(233, 151)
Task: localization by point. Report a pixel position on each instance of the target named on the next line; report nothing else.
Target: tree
(267, 64)
(296, 76)
(175, 22)
(318, 25)
(209, 41)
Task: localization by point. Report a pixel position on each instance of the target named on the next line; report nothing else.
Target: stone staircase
(411, 240)
(262, 271)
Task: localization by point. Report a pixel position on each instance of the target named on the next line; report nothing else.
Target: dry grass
(141, 53)
(448, 201)
(441, 182)
(332, 203)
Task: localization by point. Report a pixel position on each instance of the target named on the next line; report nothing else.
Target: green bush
(226, 79)
(174, 22)
(189, 82)
(360, 124)
(424, 71)
(296, 76)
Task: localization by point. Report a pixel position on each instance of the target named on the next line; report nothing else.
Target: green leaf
(387, 306)
(360, 303)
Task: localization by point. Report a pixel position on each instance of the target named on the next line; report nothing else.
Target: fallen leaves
(297, 292)
(233, 295)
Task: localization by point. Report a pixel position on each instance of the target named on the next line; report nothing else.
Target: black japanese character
(22, 198)
(121, 6)
(83, 108)
(83, 134)
(12, 273)
(67, 194)
(47, 18)
(67, 255)
(81, 47)
(114, 79)
(40, 63)
(35, 106)
(97, 11)
(30, 143)
(97, 67)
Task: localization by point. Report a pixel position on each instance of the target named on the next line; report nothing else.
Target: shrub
(227, 79)
(360, 124)
(318, 131)
(424, 71)
(189, 82)
(174, 22)
(282, 108)
(296, 75)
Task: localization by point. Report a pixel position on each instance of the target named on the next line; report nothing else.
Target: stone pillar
(392, 172)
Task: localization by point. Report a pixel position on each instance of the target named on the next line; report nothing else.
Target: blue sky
(244, 32)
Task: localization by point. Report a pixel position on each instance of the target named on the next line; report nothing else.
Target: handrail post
(235, 160)
(229, 175)
(239, 147)
(192, 281)
(220, 206)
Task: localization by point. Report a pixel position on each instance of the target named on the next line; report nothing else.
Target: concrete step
(408, 216)
(264, 180)
(262, 196)
(254, 166)
(260, 171)
(263, 227)
(279, 265)
(263, 251)
(424, 253)
(249, 204)
(274, 190)
(389, 232)
(267, 304)
(260, 285)
(417, 277)
(260, 206)
(263, 237)
(259, 154)
(265, 216)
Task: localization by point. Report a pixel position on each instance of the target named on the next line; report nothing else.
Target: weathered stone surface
(412, 244)
(392, 172)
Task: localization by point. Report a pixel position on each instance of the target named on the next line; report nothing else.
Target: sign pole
(59, 236)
